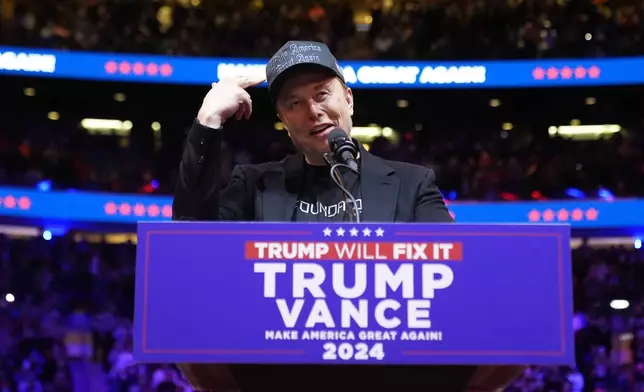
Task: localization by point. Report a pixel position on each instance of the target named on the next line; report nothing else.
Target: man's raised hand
(226, 98)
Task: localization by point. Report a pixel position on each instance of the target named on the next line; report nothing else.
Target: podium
(340, 307)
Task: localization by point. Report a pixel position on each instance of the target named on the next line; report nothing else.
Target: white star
(327, 232)
(379, 232)
(354, 232)
(340, 232)
(366, 232)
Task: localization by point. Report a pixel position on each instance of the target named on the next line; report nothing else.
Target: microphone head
(340, 142)
(336, 135)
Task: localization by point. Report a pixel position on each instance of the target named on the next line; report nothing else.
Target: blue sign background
(141, 68)
(68, 206)
(199, 300)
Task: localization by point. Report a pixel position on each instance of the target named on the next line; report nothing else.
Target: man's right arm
(197, 195)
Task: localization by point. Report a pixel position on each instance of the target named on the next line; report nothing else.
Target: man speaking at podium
(308, 90)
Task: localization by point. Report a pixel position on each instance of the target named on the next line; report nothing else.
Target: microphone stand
(335, 176)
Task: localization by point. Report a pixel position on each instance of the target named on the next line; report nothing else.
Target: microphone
(343, 149)
(344, 152)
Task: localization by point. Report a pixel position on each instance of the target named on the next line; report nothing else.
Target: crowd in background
(71, 307)
(468, 165)
(465, 29)
(72, 304)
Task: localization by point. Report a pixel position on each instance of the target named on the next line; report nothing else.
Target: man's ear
(279, 117)
(350, 100)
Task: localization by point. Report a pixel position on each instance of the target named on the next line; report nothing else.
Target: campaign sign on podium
(289, 293)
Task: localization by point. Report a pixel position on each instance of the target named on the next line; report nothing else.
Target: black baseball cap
(299, 55)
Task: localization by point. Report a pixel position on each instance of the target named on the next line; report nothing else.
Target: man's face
(311, 105)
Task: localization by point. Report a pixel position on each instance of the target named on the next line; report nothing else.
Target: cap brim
(279, 81)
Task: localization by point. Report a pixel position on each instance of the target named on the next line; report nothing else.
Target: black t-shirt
(321, 200)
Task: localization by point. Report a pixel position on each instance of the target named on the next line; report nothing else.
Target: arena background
(92, 130)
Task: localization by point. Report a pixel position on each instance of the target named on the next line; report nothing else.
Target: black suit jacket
(391, 191)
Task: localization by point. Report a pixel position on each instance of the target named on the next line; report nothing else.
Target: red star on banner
(166, 70)
(9, 201)
(592, 214)
(139, 209)
(138, 68)
(553, 73)
(110, 208)
(538, 73)
(566, 73)
(125, 67)
(593, 72)
(125, 209)
(152, 69)
(167, 211)
(153, 210)
(111, 67)
(562, 215)
(24, 203)
(580, 72)
(548, 215)
(577, 214)
(534, 216)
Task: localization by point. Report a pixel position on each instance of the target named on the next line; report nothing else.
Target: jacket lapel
(379, 189)
(281, 187)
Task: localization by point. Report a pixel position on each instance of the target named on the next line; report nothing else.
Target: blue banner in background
(359, 74)
(73, 206)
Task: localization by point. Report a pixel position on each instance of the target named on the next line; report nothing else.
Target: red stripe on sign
(385, 251)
